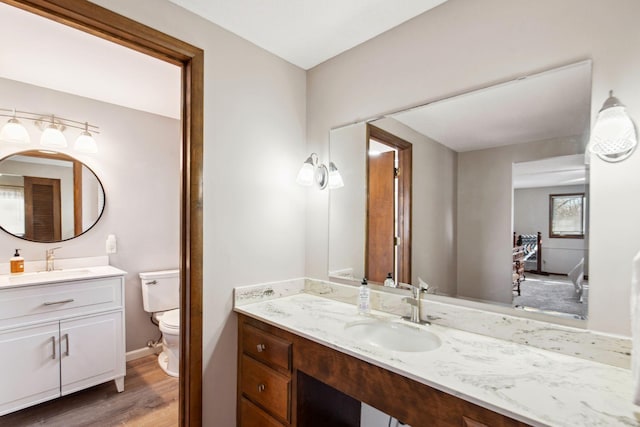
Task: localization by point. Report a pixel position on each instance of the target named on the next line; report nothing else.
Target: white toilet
(161, 297)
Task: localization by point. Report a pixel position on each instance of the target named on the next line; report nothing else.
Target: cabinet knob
(261, 388)
(261, 348)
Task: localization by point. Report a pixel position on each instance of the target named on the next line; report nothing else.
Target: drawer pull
(261, 348)
(261, 388)
(59, 302)
(53, 346)
(66, 338)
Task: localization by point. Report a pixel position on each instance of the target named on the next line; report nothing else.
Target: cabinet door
(29, 366)
(91, 351)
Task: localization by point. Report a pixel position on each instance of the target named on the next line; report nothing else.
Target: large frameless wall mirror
(48, 196)
(491, 205)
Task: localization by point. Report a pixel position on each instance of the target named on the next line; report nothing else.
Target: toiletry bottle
(364, 301)
(17, 263)
(389, 282)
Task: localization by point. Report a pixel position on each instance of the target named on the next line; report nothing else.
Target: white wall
(466, 44)
(137, 163)
(254, 144)
(531, 215)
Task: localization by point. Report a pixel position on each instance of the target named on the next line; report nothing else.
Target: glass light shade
(85, 143)
(13, 132)
(613, 133)
(52, 137)
(335, 179)
(306, 174)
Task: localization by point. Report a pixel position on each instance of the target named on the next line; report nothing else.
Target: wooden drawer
(266, 387)
(252, 416)
(267, 348)
(43, 302)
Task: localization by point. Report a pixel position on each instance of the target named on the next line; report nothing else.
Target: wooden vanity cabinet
(322, 381)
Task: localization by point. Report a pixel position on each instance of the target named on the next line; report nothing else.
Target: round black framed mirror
(47, 196)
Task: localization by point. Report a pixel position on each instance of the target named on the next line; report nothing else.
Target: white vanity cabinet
(58, 338)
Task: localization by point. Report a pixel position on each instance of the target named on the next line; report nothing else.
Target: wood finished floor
(150, 398)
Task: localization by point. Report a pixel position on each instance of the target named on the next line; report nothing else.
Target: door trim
(101, 22)
(405, 182)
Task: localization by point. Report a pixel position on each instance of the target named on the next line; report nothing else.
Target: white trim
(142, 352)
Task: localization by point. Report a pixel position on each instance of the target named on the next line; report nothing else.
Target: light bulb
(13, 132)
(52, 137)
(85, 143)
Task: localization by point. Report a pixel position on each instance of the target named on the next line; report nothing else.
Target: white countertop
(56, 276)
(535, 386)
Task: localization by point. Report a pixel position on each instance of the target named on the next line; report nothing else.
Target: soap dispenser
(17, 263)
(389, 282)
(364, 299)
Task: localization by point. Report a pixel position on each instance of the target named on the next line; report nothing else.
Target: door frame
(405, 163)
(103, 23)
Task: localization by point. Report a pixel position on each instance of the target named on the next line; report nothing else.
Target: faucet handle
(50, 250)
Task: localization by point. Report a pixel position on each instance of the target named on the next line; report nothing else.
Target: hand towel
(635, 328)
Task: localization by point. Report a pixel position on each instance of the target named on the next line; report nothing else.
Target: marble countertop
(535, 386)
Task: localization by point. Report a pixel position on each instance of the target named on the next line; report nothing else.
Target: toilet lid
(171, 319)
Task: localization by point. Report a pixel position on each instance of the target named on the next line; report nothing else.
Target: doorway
(388, 236)
(108, 25)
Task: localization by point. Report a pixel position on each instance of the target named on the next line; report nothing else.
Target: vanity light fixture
(85, 142)
(52, 135)
(52, 128)
(13, 132)
(335, 179)
(613, 137)
(313, 171)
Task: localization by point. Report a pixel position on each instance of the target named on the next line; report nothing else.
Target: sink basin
(47, 276)
(394, 336)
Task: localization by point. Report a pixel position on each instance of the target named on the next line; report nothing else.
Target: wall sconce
(613, 137)
(51, 126)
(313, 171)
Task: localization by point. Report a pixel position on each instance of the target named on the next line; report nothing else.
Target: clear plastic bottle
(364, 298)
(389, 282)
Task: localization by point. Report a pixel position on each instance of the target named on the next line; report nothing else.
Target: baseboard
(142, 352)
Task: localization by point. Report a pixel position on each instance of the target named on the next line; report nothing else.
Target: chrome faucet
(414, 302)
(50, 258)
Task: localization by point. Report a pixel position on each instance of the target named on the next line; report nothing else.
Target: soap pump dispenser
(17, 263)
(364, 299)
(389, 282)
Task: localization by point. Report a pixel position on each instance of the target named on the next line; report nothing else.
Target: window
(566, 216)
(12, 209)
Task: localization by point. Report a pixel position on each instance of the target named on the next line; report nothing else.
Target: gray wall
(465, 44)
(434, 207)
(254, 144)
(485, 211)
(138, 165)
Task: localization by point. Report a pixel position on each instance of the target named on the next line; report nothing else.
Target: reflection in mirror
(47, 196)
(469, 155)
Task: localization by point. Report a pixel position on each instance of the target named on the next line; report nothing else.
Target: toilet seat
(170, 320)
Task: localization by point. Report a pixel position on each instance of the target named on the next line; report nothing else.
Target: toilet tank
(160, 290)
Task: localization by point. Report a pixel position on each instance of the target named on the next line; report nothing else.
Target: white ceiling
(553, 104)
(551, 172)
(308, 32)
(44, 53)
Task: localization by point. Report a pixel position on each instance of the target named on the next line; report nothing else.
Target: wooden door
(380, 253)
(42, 209)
